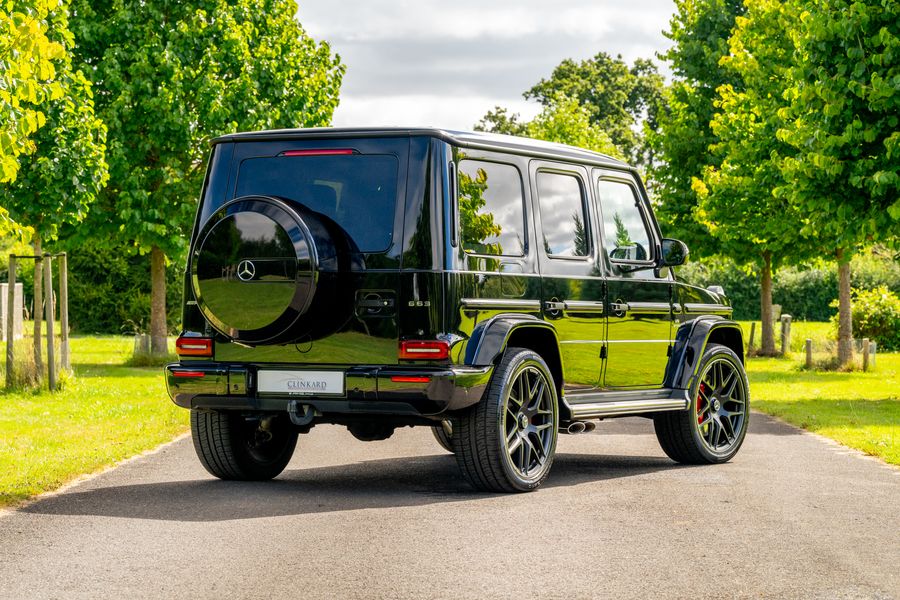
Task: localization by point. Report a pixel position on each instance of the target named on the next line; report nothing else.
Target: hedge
(805, 293)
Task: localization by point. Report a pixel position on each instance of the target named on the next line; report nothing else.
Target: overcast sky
(424, 62)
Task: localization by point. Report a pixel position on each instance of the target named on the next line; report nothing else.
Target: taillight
(194, 346)
(410, 379)
(319, 152)
(189, 374)
(424, 350)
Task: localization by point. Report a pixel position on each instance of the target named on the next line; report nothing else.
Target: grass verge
(860, 410)
(107, 413)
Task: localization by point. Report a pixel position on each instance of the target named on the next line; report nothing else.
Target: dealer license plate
(301, 383)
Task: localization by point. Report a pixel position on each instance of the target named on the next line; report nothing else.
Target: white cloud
(429, 62)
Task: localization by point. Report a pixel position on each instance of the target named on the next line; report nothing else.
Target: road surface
(791, 516)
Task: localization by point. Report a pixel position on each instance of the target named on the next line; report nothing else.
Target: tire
(713, 428)
(504, 444)
(230, 446)
(443, 433)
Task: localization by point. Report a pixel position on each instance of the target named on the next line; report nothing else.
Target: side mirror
(674, 253)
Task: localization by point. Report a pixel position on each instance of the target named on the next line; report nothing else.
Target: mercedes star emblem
(246, 270)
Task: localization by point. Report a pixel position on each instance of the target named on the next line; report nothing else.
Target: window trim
(642, 209)
(585, 213)
(458, 224)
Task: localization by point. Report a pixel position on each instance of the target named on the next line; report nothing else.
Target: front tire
(506, 442)
(232, 446)
(713, 428)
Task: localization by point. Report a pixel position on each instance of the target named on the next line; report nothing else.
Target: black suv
(498, 289)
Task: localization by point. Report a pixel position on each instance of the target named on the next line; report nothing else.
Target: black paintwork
(603, 324)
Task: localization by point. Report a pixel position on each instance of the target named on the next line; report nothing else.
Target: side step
(619, 404)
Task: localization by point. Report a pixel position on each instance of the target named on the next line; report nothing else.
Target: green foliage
(29, 56)
(58, 182)
(736, 203)
(500, 120)
(109, 290)
(699, 31)
(616, 96)
(876, 315)
(842, 118)
(804, 292)
(562, 120)
(173, 76)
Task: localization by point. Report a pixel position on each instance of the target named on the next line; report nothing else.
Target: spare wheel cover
(253, 269)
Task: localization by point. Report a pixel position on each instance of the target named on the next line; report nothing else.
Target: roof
(464, 139)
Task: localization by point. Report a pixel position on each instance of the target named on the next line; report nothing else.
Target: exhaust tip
(576, 427)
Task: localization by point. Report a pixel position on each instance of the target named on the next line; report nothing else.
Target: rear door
(639, 299)
(571, 278)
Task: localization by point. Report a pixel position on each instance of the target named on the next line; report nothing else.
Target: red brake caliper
(700, 403)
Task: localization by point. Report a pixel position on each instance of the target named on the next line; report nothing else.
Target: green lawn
(107, 413)
(860, 410)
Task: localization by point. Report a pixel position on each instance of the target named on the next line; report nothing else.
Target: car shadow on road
(386, 483)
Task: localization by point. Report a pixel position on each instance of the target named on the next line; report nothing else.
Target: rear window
(358, 192)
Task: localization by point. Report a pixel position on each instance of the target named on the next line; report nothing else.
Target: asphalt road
(791, 516)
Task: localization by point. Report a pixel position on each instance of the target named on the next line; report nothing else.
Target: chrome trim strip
(582, 342)
(584, 306)
(691, 307)
(500, 304)
(638, 341)
(626, 407)
(649, 307)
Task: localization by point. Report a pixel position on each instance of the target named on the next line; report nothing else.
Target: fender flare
(691, 340)
(489, 338)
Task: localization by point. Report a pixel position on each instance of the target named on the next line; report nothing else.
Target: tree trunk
(767, 347)
(845, 315)
(37, 313)
(158, 328)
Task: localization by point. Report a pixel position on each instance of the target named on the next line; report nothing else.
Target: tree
(842, 119)
(57, 182)
(562, 120)
(617, 97)
(681, 140)
(736, 200)
(30, 57)
(175, 74)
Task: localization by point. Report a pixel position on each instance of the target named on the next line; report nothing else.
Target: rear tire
(507, 441)
(713, 428)
(231, 446)
(443, 433)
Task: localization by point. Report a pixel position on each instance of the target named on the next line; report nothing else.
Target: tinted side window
(491, 208)
(625, 235)
(562, 214)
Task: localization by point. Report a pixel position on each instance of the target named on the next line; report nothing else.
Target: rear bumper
(368, 390)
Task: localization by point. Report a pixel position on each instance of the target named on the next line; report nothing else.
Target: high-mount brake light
(194, 346)
(319, 152)
(424, 350)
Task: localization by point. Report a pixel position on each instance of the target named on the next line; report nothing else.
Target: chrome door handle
(619, 307)
(554, 305)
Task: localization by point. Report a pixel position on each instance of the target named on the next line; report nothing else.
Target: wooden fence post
(10, 322)
(785, 334)
(752, 335)
(64, 312)
(50, 318)
(809, 361)
(865, 349)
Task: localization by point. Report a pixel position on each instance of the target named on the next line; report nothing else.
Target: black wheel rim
(721, 406)
(528, 422)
